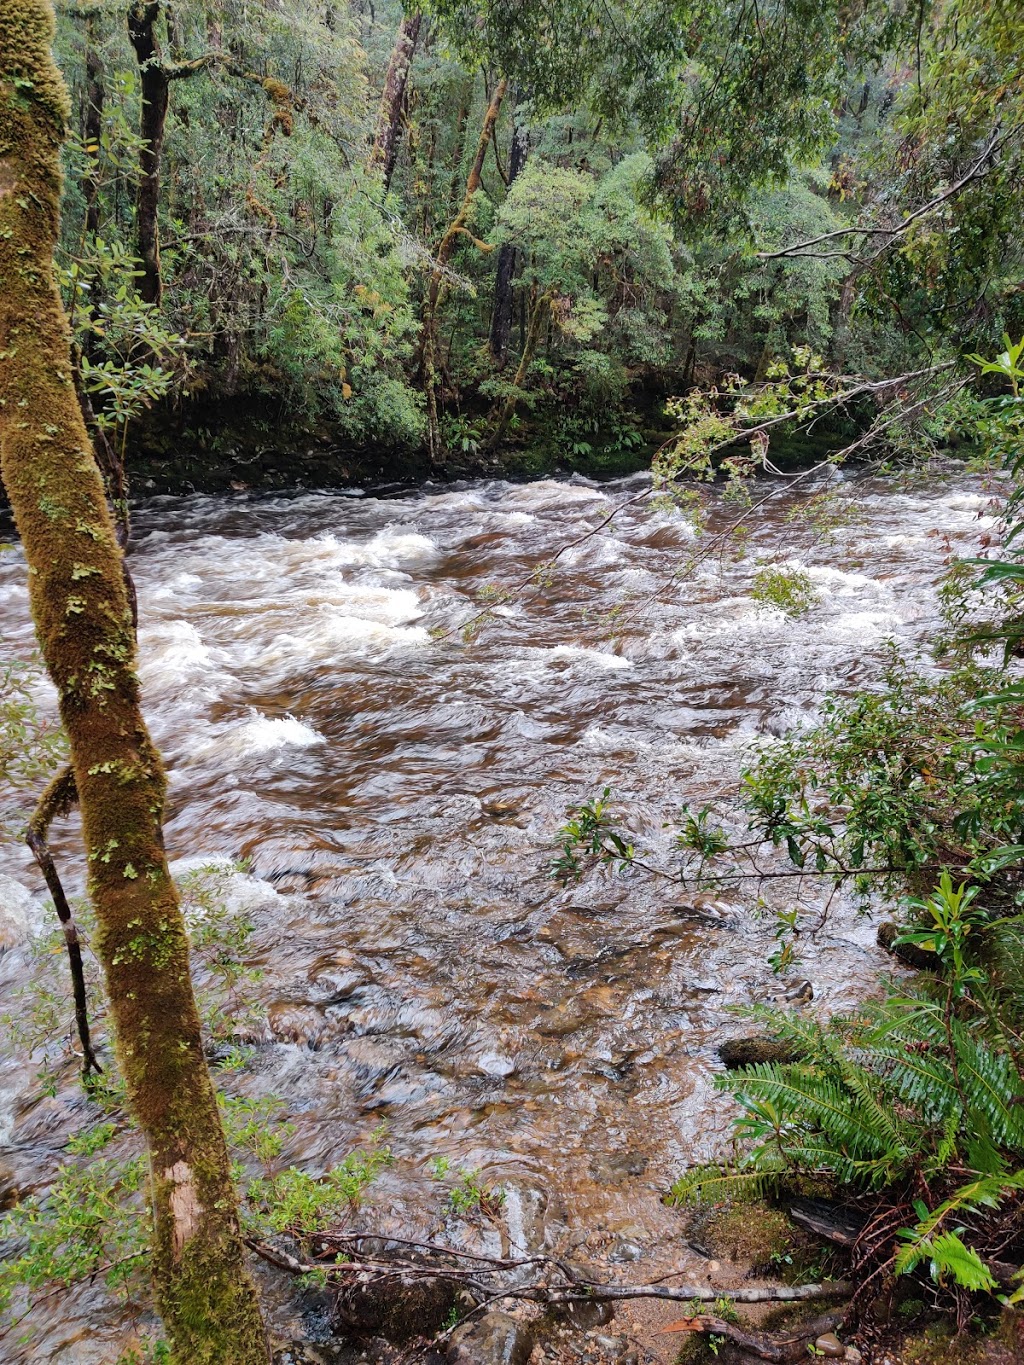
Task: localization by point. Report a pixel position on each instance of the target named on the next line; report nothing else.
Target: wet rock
(802, 993)
(295, 1023)
(829, 1346)
(908, 953)
(615, 1169)
(584, 1314)
(18, 915)
(735, 1052)
(613, 1346)
(303, 1353)
(401, 1307)
(495, 1339)
(625, 1250)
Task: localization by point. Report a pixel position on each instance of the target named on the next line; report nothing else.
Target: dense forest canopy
(468, 224)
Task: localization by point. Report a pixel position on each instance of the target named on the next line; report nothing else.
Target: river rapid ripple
(396, 796)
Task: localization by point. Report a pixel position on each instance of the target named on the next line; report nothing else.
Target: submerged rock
(495, 1339)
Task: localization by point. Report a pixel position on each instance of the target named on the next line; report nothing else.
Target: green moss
(760, 1236)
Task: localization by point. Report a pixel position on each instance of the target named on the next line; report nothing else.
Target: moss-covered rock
(736, 1052)
(908, 953)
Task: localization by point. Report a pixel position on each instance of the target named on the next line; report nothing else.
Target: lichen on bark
(84, 624)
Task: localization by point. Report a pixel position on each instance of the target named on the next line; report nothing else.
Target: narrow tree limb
(573, 1289)
(57, 800)
(981, 166)
(775, 1348)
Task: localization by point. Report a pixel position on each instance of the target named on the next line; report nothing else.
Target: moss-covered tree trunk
(142, 19)
(539, 306)
(430, 360)
(83, 620)
(392, 100)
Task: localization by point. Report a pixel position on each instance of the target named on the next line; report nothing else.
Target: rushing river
(396, 793)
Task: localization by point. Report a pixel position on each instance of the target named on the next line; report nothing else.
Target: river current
(395, 785)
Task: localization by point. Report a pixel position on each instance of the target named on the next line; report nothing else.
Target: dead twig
(57, 800)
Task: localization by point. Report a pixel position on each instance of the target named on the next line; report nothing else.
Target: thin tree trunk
(84, 625)
(501, 316)
(429, 337)
(392, 100)
(538, 309)
(142, 17)
(93, 127)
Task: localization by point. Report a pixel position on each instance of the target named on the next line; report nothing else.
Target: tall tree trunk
(142, 17)
(501, 316)
(84, 625)
(429, 335)
(392, 100)
(539, 306)
(93, 127)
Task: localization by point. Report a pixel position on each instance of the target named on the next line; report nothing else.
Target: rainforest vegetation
(439, 234)
(254, 245)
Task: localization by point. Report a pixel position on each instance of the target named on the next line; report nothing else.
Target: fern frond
(948, 1256)
(719, 1182)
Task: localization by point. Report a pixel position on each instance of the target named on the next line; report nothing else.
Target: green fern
(899, 1094)
(947, 1255)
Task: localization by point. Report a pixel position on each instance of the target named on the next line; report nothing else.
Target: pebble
(830, 1346)
(613, 1345)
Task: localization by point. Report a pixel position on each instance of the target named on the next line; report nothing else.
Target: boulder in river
(910, 954)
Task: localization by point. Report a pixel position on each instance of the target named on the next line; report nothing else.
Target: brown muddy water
(396, 796)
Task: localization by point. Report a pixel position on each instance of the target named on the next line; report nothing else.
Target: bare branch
(59, 797)
(980, 167)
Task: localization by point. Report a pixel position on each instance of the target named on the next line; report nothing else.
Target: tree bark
(392, 100)
(429, 335)
(501, 316)
(93, 126)
(539, 305)
(142, 17)
(84, 626)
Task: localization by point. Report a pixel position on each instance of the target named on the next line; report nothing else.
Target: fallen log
(832, 1222)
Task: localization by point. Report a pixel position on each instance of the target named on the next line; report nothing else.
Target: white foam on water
(176, 587)
(550, 493)
(385, 606)
(840, 582)
(262, 734)
(866, 625)
(745, 616)
(330, 633)
(597, 552)
(220, 879)
(598, 658)
(173, 655)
